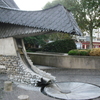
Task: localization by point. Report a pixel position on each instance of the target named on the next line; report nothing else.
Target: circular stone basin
(72, 90)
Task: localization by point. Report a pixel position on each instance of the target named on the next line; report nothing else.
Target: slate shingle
(56, 19)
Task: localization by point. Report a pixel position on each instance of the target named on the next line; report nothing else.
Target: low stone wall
(65, 61)
(16, 70)
(8, 64)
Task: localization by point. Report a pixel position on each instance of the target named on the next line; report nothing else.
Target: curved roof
(56, 18)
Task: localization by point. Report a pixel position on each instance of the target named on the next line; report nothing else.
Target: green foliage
(35, 40)
(73, 52)
(34, 49)
(61, 46)
(89, 16)
(29, 50)
(84, 53)
(58, 36)
(79, 52)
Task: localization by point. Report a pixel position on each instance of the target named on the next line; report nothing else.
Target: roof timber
(56, 19)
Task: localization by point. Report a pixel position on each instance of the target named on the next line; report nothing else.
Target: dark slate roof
(56, 19)
(8, 3)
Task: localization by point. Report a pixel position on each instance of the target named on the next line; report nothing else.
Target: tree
(86, 13)
(58, 36)
(35, 41)
(90, 12)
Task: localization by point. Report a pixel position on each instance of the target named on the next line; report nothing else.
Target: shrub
(73, 52)
(95, 52)
(84, 53)
(28, 50)
(61, 46)
(79, 52)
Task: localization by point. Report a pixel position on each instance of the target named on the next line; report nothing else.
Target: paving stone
(62, 75)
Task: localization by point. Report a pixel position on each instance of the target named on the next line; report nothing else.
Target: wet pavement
(62, 75)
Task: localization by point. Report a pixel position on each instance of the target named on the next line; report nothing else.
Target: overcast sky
(31, 4)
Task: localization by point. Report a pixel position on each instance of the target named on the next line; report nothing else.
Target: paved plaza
(62, 75)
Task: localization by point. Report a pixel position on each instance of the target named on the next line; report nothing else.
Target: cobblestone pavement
(64, 75)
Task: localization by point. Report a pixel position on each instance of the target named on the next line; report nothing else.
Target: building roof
(56, 19)
(8, 3)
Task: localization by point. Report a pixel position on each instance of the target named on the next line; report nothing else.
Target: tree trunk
(91, 38)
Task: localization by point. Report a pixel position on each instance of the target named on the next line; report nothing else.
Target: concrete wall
(66, 61)
(7, 46)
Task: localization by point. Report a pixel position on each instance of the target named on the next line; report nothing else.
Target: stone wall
(14, 67)
(65, 61)
(9, 63)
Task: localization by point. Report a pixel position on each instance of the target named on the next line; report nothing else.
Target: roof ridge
(9, 8)
(15, 9)
(68, 11)
(57, 6)
(53, 7)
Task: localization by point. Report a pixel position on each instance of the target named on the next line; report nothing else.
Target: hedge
(95, 52)
(61, 46)
(79, 52)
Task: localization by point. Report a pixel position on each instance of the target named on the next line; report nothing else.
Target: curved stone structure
(16, 24)
(19, 66)
(72, 91)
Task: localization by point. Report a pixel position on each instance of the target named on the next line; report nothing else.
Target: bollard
(23, 97)
(7, 86)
